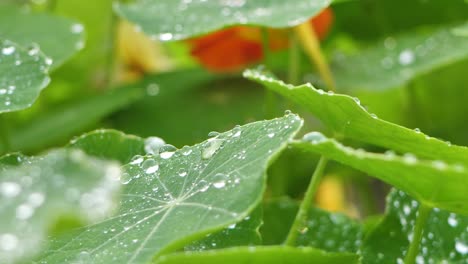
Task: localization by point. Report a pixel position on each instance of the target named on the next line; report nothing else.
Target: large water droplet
(153, 145)
(8, 242)
(406, 57)
(150, 166)
(10, 189)
(211, 147)
(314, 137)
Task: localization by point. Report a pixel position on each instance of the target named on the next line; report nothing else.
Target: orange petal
(322, 23)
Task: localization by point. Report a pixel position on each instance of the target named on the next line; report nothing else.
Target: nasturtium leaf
(37, 191)
(57, 37)
(433, 182)
(332, 232)
(180, 19)
(110, 144)
(346, 117)
(394, 61)
(23, 74)
(244, 233)
(181, 195)
(445, 237)
(261, 255)
(60, 124)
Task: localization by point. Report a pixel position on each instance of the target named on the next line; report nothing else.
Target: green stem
(4, 136)
(294, 59)
(423, 214)
(271, 101)
(111, 52)
(301, 216)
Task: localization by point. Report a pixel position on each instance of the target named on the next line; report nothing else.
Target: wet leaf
(433, 182)
(271, 254)
(178, 196)
(37, 191)
(445, 238)
(347, 118)
(244, 233)
(394, 61)
(332, 232)
(180, 19)
(57, 37)
(23, 76)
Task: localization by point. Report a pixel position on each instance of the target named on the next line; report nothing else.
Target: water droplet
(150, 166)
(182, 173)
(204, 185)
(10, 189)
(406, 57)
(219, 184)
(440, 165)
(461, 247)
(232, 226)
(236, 132)
(213, 134)
(409, 158)
(77, 28)
(357, 100)
(211, 147)
(452, 220)
(165, 36)
(24, 211)
(417, 130)
(287, 112)
(8, 242)
(167, 151)
(152, 89)
(36, 199)
(186, 150)
(406, 209)
(8, 50)
(137, 160)
(314, 137)
(271, 135)
(153, 145)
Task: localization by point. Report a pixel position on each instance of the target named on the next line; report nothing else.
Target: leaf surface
(177, 196)
(180, 19)
(36, 191)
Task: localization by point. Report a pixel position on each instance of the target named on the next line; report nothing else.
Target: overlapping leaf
(272, 254)
(23, 76)
(180, 19)
(35, 192)
(333, 232)
(58, 38)
(346, 117)
(396, 60)
(445, 238)
(178, 196)
(433, 182)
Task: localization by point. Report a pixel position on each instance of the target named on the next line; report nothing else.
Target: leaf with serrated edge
(346, 117)
(396, 60)
(59, 38)
(445, 237)
(179, 19)
(36, 191)
(23, 76)
(270, 254)
(433, 182)
(177, 197)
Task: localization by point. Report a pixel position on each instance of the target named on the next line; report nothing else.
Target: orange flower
(233, 48)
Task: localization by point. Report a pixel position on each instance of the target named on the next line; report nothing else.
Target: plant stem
(109, 67)
(294, 59)
(306, 203)
(423, 214)
(270, 97)
(311, 45)
(4, 136)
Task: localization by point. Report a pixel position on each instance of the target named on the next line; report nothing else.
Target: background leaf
(174, 20)
(39, 190)
(57, 37)
(332, 232)
(179, 196)
(442, 185)
(24, 75)
(347, 118)
(445, 238)
(272, 254)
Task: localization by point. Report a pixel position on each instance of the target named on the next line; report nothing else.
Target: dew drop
(211, 147)
(314, 137)
(452, 220)
(219, 184)
(8, 50)
(10, 189)
(153, 145)
(271, 135)
(24, 211)
(77, 28)
(8, 242)
(152, 89)
(461, 247)
(409, 158)
(150, 166)
(406, 57)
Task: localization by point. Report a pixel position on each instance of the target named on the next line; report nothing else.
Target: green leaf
(23, 76)
(433, 182)
(445, 238)
(332, 232)
(179, 19)
(244, 233)
(347, 118)
(262, 255)
(60, 124)
(178, 196)
(39, 190)
(59, 38)
(396, 60)
(110, 144)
